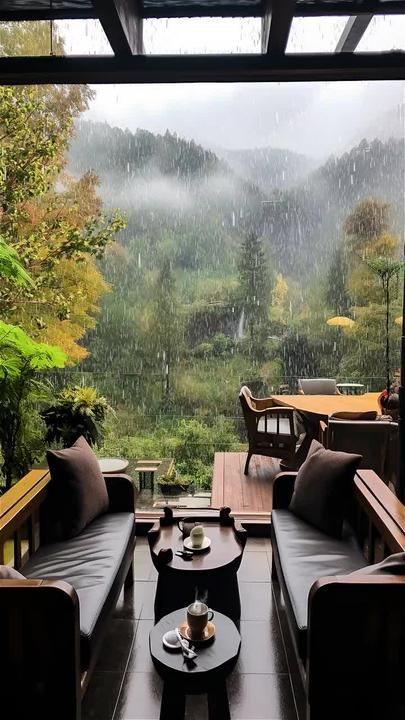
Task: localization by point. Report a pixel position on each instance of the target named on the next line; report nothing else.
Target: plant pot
(171, 489)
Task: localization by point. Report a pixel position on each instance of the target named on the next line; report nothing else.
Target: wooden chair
(270, 429)
(368, 438)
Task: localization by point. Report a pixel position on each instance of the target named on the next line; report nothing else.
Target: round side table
(112, 465)
(207, 674)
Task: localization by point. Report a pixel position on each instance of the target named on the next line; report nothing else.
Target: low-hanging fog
(315, 119)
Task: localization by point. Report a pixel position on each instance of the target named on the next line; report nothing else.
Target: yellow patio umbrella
(340, 321)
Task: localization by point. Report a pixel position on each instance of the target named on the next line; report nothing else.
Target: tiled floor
(125, 685)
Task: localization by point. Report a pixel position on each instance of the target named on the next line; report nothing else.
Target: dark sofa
(344, 633)
(56, 619)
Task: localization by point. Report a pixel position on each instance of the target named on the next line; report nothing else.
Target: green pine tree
(254, 289)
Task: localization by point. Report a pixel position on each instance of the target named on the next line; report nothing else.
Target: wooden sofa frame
(40, 618)
(356, 624)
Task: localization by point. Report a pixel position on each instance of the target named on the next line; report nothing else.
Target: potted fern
(170, 484)
(76, 411)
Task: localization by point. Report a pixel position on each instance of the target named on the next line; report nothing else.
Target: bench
(53, 623)
(344, 633)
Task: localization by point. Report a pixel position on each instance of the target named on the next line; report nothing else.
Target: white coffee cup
(198, 616)
(197, 536)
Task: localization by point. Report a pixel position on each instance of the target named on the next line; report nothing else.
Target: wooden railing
(384, 514)
(19, 517)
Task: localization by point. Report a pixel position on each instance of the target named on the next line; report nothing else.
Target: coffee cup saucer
(202, 548)
(209, 633)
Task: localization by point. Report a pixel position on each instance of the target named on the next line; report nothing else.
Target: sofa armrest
(356, 641)
(121, 493)
(40, 649)
(283, 488)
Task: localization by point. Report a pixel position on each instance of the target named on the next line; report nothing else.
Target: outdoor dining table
(314, 408)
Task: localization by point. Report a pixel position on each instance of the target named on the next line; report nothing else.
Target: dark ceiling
(122, 22)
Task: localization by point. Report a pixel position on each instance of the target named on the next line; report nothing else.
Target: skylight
(315, 34)
(202, 36)
(83, 37)
(385, 32)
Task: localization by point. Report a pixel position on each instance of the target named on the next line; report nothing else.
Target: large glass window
(185, 240)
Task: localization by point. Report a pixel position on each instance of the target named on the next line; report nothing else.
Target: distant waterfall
(241, 326)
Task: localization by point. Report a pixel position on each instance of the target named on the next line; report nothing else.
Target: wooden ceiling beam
(122, 24)
(200, 9)
(352, 33)
(276, 25)
(12, 15)
(202, 68)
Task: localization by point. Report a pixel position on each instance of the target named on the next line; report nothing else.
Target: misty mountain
(183, 199)
(145, 172)
(179, 198)
(388, 124)
(268, 168)
(305, 224)
(112, 150)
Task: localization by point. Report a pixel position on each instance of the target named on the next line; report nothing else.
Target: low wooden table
(145, 469)
(314, 408)
(211, 574)
(207, 674)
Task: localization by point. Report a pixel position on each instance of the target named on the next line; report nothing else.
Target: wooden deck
(244, 494)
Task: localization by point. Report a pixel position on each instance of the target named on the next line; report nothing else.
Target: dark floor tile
(262, 649)
(125, 607)
(257, 544)
(144, 600)
(117, 645)
(136, 602)
(254, 567)
(140, 697)
(260, 697)
(143, 566)
(256, 600)
(101, 696)
(140, 659)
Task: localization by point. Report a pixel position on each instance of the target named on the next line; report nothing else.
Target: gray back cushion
(318, 386)
(322, 488)
(78, 492)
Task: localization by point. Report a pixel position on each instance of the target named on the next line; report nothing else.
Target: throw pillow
(78, 493)
(322, 488)
(8, 573)
(392, 565)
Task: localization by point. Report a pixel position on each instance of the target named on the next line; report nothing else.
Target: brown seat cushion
(322, 488)
(369, 415)
(78, 493)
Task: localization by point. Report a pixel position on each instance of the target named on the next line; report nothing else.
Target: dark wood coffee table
(211, 575)
(207, 674)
